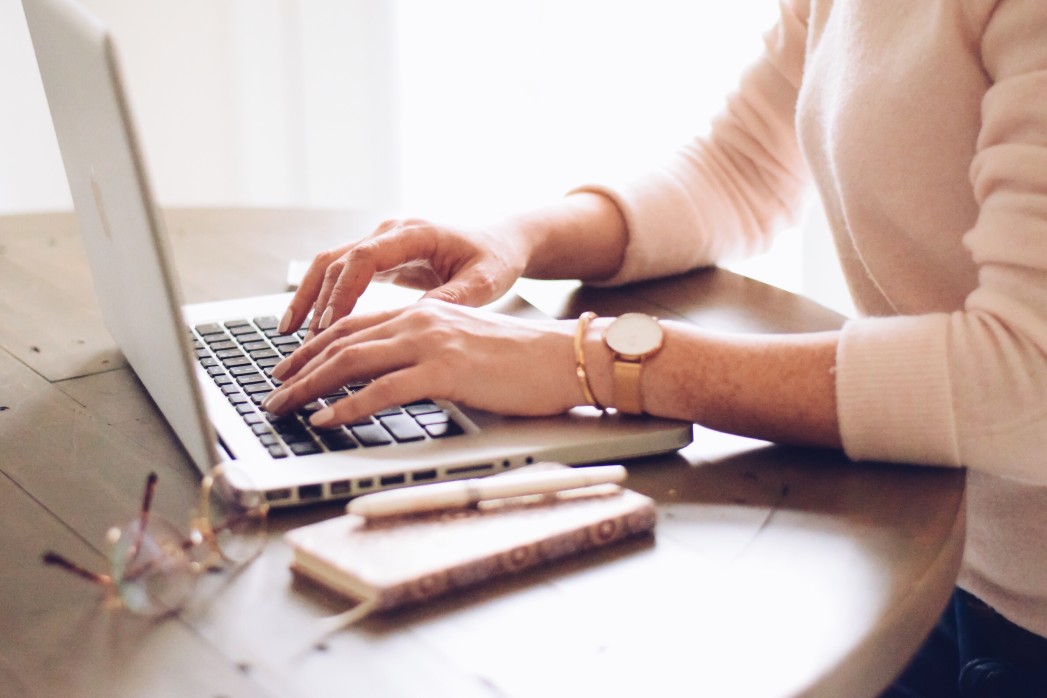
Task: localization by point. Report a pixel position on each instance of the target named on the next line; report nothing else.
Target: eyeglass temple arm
(147, 496)
(143, 513)
(52, 558)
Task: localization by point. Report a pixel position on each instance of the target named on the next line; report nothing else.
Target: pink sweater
(924, 127)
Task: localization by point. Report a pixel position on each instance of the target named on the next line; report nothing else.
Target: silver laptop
(205, 365)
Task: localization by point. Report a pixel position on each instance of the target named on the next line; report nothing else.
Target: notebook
(406, 560)
(189, 359)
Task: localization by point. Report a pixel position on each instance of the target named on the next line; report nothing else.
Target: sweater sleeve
(724, 195)
(981, 372)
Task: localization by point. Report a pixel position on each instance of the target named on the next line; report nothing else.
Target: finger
(313, 348)
(401, 387)
(378, 254)
(345, 361)
(323, 275)
(308, 290)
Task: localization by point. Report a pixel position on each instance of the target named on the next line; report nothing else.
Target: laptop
(206, 365)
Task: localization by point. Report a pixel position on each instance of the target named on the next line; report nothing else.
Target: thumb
(473, 288)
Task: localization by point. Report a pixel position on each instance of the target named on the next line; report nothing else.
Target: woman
(923, 126)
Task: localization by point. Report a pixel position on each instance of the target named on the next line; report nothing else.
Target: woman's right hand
(457, 265)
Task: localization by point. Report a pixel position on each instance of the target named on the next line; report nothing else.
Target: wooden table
(774, 571)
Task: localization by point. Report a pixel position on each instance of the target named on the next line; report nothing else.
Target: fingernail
(325, 319)
(285, 322)
(280, 370)
(275, 401)
(323, 418)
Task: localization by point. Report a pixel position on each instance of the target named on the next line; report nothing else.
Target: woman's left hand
(432, 350)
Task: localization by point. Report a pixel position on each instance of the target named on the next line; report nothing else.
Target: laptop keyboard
(239, 355)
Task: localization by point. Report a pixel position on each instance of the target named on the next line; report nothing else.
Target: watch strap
(627, 395)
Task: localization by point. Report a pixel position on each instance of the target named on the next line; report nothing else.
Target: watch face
(634, 334)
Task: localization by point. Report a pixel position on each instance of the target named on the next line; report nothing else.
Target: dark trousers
(975, 653)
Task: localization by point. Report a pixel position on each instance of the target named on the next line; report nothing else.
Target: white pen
(463, 493)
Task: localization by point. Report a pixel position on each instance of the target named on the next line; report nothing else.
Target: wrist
(619, 357)
(583, 236)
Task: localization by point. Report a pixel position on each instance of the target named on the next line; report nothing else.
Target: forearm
(775, 387)
(583, 236)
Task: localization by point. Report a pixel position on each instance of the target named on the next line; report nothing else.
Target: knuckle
(334, 269)
(382, 390)
(363, 253)
(339, 351)
(416, 223)
(388, 224)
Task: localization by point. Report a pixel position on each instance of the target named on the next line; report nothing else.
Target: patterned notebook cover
(409, 559)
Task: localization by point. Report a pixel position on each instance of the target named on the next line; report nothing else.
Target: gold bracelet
(579, 358)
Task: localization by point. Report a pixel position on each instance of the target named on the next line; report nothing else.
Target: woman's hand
(433, 349)
(467, 267)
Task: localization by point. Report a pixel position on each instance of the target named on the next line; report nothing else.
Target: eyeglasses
(154, 568)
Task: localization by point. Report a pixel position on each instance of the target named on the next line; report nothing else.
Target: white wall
(30, 167)
(482, 104)
(237, 102)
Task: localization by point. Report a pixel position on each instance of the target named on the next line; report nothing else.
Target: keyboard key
(361, 422)
(371, 435)
(403, 428)
(336, 439)
(417, 408)
(432, 418)
(444, 430)
(267, 323)
(210, 328)
(249, 337)
(310, 408)
(277, 451)
(304, 448)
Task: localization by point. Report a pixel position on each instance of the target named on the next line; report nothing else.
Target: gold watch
(632, 338)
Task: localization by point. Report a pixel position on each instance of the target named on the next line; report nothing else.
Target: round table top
(773, 571)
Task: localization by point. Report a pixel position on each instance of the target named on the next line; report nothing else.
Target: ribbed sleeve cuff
(894, 398)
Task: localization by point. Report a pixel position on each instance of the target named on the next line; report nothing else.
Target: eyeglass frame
(202, 532)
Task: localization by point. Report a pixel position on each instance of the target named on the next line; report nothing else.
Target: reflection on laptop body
(208, 387)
